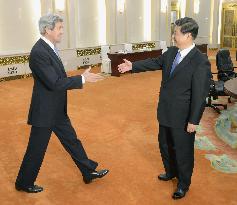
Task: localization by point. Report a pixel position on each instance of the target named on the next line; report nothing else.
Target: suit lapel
(53, 55)
(183, 63)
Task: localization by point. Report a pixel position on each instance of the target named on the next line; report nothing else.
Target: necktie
(176, 62)
(56, 51)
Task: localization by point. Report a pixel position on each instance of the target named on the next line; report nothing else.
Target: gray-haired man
(48, 109)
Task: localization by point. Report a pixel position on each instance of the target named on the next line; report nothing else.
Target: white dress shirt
(185, 52)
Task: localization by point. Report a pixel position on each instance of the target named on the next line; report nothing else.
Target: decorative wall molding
(87, 66)
(17, 66)
(9, 60)
(138, 46)
(15, 77)
(88, 51)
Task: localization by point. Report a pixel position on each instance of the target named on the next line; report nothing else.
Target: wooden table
(117, 58)
(230, 87)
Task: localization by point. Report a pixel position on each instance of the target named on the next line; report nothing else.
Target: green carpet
(222, 163)
(203, 143)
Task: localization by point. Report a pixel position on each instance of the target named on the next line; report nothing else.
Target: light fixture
(147, 20)
(196, 6)
(182, 6)
(101, 22)
(220, 20)
(120, 6)
(163, 6)
(60, 5)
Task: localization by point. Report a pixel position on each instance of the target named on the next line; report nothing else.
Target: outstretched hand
(92, 77)
(124, 67)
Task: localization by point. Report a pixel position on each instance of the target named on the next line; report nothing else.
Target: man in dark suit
(48, 109)
(184, 87)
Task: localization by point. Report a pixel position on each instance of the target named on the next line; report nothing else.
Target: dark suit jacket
(49, 96)
(183, 94)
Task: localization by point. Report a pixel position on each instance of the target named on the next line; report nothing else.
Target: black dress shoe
(95, 175)
(30, 189)
(179, 193)
(165, 177)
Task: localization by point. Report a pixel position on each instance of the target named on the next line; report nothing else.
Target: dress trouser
(37, 146)
(177, 152)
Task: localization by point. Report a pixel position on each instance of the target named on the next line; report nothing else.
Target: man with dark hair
(48, 109)
(188, 25)
(184, 87)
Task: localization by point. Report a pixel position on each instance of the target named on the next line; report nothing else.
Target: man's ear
(47, 30)
(190, 35)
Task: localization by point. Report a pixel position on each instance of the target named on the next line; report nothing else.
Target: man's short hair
(48, 21)
(188, 25)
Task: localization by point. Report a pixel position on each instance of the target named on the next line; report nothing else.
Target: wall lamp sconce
(182, 6)
(196, 6)
(163, 6)
(120, 6)
(60, 5)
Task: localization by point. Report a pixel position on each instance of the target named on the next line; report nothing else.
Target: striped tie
(56, 51)
(176, 62)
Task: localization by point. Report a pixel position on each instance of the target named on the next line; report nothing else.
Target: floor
(116, 121)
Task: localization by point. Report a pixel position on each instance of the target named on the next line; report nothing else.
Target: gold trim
(175, 7)
(87, 66)
(232, 37)
(29, 75)
(213, 49)
(14, 60)
(229, 5)
(15, 77)
(88, 51)
(138, 46)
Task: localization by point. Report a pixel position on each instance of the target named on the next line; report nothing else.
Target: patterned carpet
(222, 157)
(116, 121)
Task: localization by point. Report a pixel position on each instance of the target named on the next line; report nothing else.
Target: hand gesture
(91, 77)
(124, 67)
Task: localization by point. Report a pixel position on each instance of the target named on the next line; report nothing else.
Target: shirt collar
(48, 42)
(185, 51)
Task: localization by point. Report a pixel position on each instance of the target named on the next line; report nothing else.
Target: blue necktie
(56, 51)
(175, 63)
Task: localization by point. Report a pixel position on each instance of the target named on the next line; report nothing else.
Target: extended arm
(149, 64)
(42, 68)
